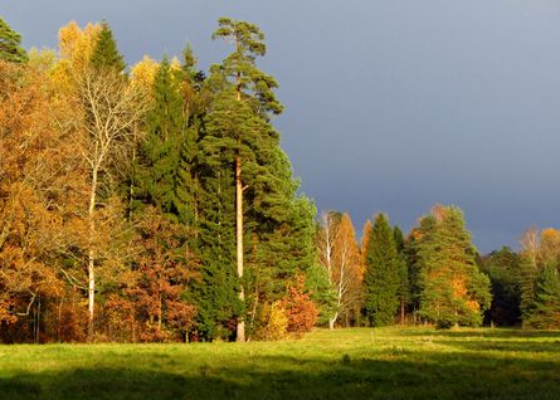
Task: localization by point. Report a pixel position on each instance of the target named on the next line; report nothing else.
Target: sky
(391, 105)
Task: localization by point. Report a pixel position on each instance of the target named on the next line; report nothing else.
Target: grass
(386, 363)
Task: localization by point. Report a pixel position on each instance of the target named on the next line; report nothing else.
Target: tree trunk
(239, 236)
(402, 312)
(160, 311)
(91, 256)
(91, 294)
(332, 321)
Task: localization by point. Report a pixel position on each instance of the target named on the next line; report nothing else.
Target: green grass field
(343, 364)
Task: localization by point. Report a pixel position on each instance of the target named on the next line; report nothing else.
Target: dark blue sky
(392, 105)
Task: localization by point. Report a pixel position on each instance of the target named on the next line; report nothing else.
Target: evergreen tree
(545, 312)
(418, 238)
(453, 290)
(503, 269)
(238, 128)
(160, 154)
(273, 226)
(106, 54)
(404, 284)
(382, 274)
(167, 163)
(10, 44)
(528, 274)
(216, 293)
(193, 110)
(322, 292)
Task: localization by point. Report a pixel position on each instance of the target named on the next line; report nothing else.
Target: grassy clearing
(345, 364)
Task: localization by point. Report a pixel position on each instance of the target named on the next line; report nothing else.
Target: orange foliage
(301, 311)
(162, 275)
(366, 233)
(40, 186)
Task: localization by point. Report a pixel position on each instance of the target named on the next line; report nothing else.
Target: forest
(154, 203)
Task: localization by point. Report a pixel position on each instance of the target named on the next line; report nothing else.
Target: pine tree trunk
(402, 312)
(239, 236)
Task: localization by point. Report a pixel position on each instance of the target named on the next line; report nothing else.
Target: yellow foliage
(550, 246)
(175, 64)
(144, 73)
(274, 323)
(75, 47)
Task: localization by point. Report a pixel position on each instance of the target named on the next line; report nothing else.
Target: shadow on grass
(415, 376)
(486, 333)
(513, 346)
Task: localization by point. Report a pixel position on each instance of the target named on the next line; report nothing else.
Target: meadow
(389, 363)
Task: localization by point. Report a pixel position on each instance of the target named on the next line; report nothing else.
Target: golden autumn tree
(364, 244)
(41, 186)
(143, 74)
(539, 251)
(340, 256)
(549, 251)
(453, 290)
(75, 48)
(107, 110)
(347, 275)
(366, 234)
(111, 108)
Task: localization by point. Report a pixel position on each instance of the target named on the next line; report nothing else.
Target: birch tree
(340, 256)
(111, 108)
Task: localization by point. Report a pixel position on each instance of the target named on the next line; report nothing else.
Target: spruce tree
(503, 269)
(404, 284)
(106, 55)
(420, 237)
(382, 274)
(545, 311)
(160, 153)
(528, 275)
(194, 108)
(10, 44)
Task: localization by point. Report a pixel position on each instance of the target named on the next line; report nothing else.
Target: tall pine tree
(273, 236)
(240, 121)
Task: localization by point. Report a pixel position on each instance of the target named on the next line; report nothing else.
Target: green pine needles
(10, 45)
(382, 279)
(453, 290)
(106, 54)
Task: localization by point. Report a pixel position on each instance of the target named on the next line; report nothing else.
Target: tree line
(154, 203)
(434, 274)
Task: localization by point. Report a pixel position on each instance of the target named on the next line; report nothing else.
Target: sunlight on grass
(389, 363)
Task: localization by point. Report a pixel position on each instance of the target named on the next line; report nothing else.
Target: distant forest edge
(154, 204)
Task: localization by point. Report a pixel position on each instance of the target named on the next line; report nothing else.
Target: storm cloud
(392, 105)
